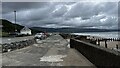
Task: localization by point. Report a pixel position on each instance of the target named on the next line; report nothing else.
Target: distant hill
(73, 30)
(8, 26)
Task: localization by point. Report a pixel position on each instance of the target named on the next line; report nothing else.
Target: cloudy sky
(63, 14)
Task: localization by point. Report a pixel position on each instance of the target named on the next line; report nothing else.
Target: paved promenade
(52, 51)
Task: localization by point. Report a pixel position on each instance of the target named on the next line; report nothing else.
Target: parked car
(40, 36)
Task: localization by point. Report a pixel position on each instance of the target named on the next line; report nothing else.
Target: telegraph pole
(15, 21)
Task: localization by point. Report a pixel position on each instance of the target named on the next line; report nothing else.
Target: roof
(25, 29)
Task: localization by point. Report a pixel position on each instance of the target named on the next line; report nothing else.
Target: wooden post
(116, 46)
(105, 43)
(98, 42)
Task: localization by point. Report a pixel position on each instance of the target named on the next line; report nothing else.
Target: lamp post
(15, 21)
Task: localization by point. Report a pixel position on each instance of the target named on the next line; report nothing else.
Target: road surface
(52, 51)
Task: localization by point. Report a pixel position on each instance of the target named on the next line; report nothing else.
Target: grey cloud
(59, 11)
(11, 6)
(63, 14)
(84, 10)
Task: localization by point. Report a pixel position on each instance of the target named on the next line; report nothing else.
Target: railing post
(105, 43)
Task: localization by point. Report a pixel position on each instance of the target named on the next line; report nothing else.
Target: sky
(102, 15)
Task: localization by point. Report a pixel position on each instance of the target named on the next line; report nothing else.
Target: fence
(97, 40)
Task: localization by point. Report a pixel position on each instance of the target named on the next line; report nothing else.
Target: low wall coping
(100, 48)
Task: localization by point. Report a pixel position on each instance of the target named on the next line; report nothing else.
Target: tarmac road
(52, 51)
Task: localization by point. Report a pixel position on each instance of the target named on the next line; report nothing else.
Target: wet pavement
(53, 51)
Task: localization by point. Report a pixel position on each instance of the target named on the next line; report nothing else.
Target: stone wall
(99, 56)
(16, 45)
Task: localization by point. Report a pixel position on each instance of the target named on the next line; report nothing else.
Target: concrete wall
(99, 56)
(17, 45)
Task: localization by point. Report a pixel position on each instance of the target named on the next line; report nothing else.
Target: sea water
(101, 34)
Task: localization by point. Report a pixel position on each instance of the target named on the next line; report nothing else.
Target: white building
(25, 31)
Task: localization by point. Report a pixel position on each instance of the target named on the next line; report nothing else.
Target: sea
(101, 34)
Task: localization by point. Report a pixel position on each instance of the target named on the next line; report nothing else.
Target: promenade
(53, 51)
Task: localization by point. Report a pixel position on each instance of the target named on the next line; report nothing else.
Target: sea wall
(16, 45)
(67, 35)
(99, 56)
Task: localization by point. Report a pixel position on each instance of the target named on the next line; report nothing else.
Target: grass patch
(3, 34)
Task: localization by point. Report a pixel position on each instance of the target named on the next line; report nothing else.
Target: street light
(15, 21)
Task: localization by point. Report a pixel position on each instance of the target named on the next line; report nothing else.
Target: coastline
(111, 42)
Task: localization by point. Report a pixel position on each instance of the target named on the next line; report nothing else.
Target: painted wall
(26, 32)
